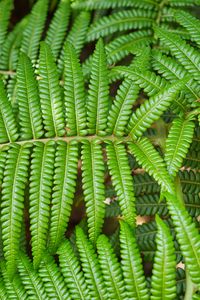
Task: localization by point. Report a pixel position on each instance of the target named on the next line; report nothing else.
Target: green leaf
(131, 262)
(98, 93)
(111, 269)
(120, 21)
(163, 282)
(50, 94)
(187, 236)
(5, 12)
(41, 181)
(52, 279)
(146, 155)
(58, 26)
(122, 180)
(8, 125)
(13, 190)
(178, 143)
(74, 93)
(65, 176)
(72, 272)
(33, 32)
(30, 278)
(93, 187)
(30, 116)
(90, 266)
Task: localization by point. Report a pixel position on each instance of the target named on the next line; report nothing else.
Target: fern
(120, 21)
(163, 286)
(5, 11)
(56, 32)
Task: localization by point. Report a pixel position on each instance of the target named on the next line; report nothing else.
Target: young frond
(120, 21)
(41, 181)
(12, 203)
(90, 266)
(5, 12)
(93, 187)
(187, 235)
(178, 143)
(50, 93)
(8, 124)
(73, 275)
(122, 180)
(31, 281)
(30, 116)
(191, 23)
(65, 175)
(53, 280)
(146, 155)
(74, 94)
(131, 262)
(163, 283)
(111, 269)
(33, 32)
(187, 55)
(58, 27)
(98, 93)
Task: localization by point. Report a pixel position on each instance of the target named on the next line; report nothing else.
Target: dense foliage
(99, 124)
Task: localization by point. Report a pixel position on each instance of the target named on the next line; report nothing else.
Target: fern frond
(32, 33)
(186, 54)
(122, 180)
(121, 108)
(11, 46)
(3, 293)
(5, 12)
(72, 272)
(52, 279)
(58, 27)
(90, 266)
(152, 109)
(163, 284)
(93, 187)
(98, 93)
(131, 262)
(146, 155)
(8, 125)
(172, 71)
(41, 180)
(14, 287)
(65, 176)
(99, 4)
(144, 184)
(74, 94)
(111, 269)
(76, 37)
(30, 278)
(30, 116)
(50, 93)
(13, 189)
(190, 182)
(177, 143)
(120, 21)
(149, 205)
(187, 236)
(191, 23)
(185, 3)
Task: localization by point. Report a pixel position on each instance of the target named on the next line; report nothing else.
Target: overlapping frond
(120, 21)
(177, 143)
(5, 12)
